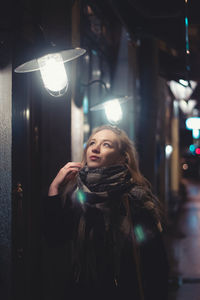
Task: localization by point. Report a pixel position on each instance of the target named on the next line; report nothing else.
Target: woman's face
(103, 150)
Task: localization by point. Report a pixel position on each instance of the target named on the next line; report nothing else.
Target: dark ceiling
(163, 20)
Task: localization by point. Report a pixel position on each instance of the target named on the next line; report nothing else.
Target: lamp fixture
(193, 123)
(181, 90)
(168, 150)
(52, 69)
(187, 107)
(112, 107)
(111, 104)
(196, 134)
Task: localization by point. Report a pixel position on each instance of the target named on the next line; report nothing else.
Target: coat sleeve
(58, 221)
(152, 253)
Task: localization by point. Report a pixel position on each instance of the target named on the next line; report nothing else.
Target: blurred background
(130, 63)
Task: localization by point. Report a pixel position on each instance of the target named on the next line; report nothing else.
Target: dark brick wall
(5, 182)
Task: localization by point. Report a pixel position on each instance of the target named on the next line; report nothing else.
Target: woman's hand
(66, 173)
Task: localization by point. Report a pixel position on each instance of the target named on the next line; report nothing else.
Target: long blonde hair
(131, 160)
(130, 155)
(127, 151)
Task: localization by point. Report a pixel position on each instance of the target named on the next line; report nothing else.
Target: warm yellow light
(185, 167)
(53, 74)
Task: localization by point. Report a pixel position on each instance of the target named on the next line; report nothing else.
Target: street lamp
(111, 104)
(52, 69)
(112, 107)
(183, 89)
(193, 124)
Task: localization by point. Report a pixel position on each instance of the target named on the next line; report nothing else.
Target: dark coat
(61, 226)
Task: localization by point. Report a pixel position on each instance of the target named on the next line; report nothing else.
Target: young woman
(105, 207)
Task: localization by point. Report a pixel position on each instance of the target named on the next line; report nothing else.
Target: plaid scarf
(103, 223)
(106, 180)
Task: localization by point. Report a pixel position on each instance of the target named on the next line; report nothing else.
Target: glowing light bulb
(113, 111)
(182, 90)
(195, 133)
(183, 82)
(168, 150)
(53, 74)
(185, 166)
(193, 123)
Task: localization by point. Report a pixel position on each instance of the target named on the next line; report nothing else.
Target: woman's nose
(96, 148)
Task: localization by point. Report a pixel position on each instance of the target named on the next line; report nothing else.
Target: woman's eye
(107, 145)
(91, 143)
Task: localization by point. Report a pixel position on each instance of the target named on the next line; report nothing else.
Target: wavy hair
(131, 160)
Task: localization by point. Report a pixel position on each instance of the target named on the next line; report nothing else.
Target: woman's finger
(71, 167)
(76, 165)
(71, 175)
(67, 169)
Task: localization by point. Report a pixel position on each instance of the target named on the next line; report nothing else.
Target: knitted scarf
(103, 222)
(105, 180)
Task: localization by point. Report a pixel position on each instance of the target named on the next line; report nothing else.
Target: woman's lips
(93, 157)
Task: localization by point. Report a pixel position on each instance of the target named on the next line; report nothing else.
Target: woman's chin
(93, 166)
